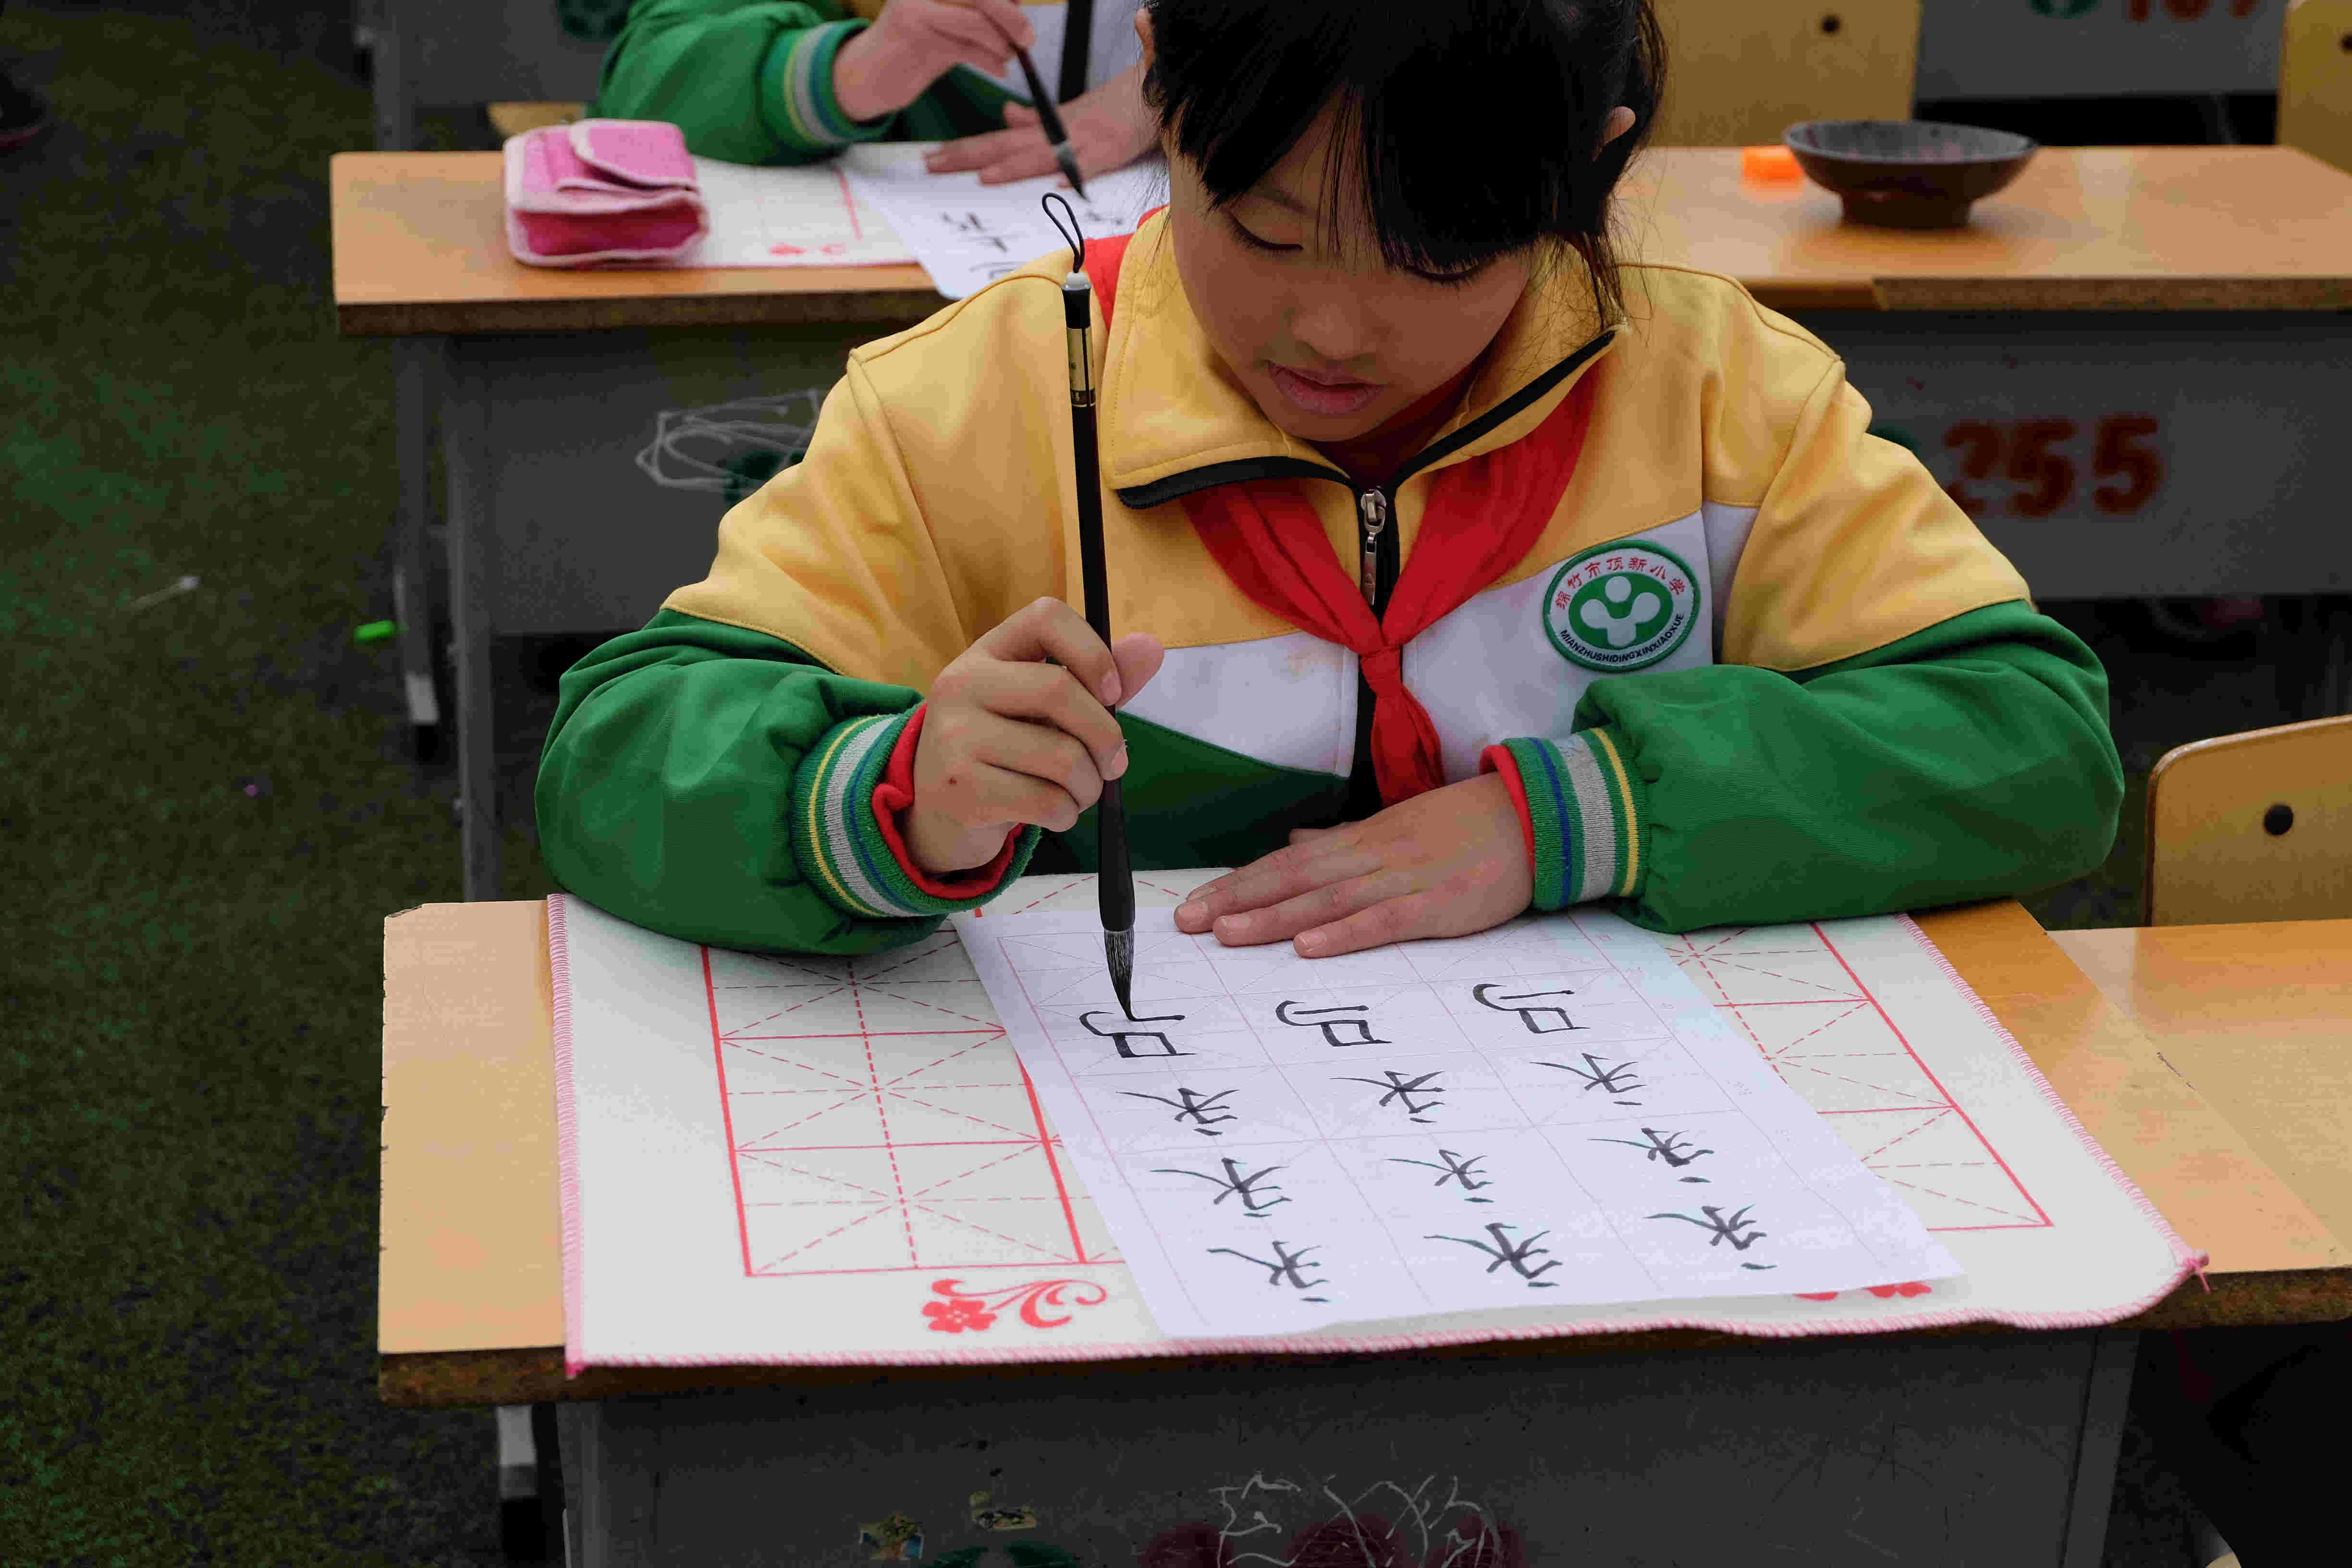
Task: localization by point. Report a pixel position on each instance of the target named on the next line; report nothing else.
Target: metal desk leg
(2112, 1356)
(465, 436)
(415, 359)
(395, 116)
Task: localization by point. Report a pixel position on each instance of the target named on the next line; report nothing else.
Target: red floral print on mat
(978, 1310)
(1908, 1288)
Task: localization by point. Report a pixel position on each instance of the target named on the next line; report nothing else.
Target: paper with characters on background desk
(875, 204)
(1568, 1125)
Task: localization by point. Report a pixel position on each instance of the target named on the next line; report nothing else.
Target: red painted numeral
(1981, 444)
(2116, 454)
(2031, 462)
(2186, 10)
(2031, 455)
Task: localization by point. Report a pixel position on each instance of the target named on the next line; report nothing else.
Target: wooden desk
(2127, 368)
(2258, 1020)
(470, 1309)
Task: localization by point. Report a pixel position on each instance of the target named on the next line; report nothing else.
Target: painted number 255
(2032, 454)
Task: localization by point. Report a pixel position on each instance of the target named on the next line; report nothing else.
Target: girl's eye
(1254, 242)
(1443, 279)
(1450, 279)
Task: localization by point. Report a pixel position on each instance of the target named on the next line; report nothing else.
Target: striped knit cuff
(845, 849)
(800, 87)
(1582, 815)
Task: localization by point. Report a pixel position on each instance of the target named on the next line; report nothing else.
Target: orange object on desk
(1770, 165)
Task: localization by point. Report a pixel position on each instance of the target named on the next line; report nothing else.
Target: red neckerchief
(1482, 518)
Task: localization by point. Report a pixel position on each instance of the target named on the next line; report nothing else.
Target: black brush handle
(1114, 885)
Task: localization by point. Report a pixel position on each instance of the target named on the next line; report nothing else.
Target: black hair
(1470, 125)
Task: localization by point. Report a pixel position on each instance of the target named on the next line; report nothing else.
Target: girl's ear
(1143, 33)
(1619, 120)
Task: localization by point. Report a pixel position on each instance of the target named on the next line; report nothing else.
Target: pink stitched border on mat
(567, 1136)
(2189, 1261)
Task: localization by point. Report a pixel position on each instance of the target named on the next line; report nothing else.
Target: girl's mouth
(1322, 397)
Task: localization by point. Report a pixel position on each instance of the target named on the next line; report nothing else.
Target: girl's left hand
(1446, 863)
(1110, 128)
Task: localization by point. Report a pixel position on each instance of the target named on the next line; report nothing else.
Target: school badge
(1620, 606)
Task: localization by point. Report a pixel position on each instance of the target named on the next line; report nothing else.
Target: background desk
(2129, 366)
(471, 1314)
(440, 53)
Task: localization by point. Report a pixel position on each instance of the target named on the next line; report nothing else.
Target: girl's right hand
(1010, 739)
(915, 42)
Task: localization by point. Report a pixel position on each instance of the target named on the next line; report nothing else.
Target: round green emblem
(1620, 606)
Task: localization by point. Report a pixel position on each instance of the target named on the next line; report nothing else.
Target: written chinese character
(1193, 1105)
(1120, 1037)
(1610, 1080)
(1518, 1255)
(1233, 1184)
(1287, 1268)
(1737, 1229)
(1672, 1147)
(1540, 1017)
(1456, 1168)
(1404, 1091)
(1330, 1022)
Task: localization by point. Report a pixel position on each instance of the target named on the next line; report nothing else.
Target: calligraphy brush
(1114, 882)
(1054, 132)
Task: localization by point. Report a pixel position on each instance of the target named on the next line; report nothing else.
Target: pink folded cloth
(602, 190)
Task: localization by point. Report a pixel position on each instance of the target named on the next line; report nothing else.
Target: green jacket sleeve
(752, 82)
(1966, 760)
(716, 785)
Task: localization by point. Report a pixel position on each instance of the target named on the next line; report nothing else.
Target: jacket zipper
(1373, 506)
(1376, 575)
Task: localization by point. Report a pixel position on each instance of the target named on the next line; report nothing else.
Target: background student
(787, 81)
(1654, 619)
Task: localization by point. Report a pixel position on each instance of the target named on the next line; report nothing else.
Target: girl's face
(1329, 340)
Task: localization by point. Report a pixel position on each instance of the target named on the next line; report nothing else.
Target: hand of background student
(913, 43)
(1445, 863)
(1009, 739)
(1110, 128)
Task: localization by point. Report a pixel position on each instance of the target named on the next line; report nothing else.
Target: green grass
(206, 815)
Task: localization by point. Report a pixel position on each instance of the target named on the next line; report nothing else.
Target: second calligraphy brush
(1054, 132)
(1114, 882)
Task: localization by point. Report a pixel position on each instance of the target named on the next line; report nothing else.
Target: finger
(1008, 19)
(1057, 704)
(971, 151)
(1139, 656)
(1017, 115)
(1039, 750)
(1002, 794)
(1272, 880)
(1048, 629)
(1025, 164)
(975, 40)
(1325, 905)
(1403, 919)
(1307, 834)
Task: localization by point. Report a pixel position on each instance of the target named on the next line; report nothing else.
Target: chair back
(1739, 73)
(2255, 827)
(2315, 111)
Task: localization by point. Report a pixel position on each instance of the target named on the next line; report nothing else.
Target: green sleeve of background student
(685, 767)
(752, 82)
(1971, 760)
